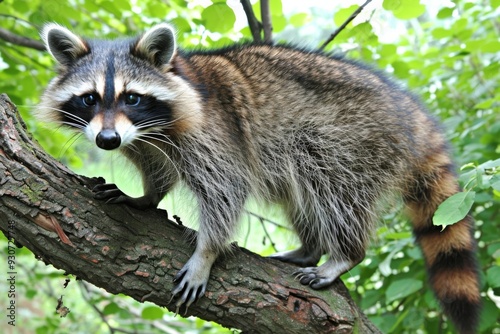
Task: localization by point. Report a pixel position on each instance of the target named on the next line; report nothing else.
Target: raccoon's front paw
(110, 193)
(190, 283)
(107, 191)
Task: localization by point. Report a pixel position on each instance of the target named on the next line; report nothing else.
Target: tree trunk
(51, 211)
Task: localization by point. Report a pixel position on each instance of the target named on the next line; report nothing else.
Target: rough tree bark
(137, 253)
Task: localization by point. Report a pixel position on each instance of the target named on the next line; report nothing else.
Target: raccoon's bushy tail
(450, 255)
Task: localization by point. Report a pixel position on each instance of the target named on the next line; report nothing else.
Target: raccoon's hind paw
(111, 194)
(322, 276)
(310, 276)
(189, 285)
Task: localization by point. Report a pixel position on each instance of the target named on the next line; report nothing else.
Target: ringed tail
(450, 254)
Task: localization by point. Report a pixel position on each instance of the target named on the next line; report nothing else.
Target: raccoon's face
(117, 91)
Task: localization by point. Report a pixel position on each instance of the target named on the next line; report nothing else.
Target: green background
(448, 53)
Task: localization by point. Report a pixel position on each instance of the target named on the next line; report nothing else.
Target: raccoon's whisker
(154, 132)
(162, 152)
(71, 124)
(151, 123)
(167, 140)
(133, 148)
(75, 125)
(71, 141)
(77, 119)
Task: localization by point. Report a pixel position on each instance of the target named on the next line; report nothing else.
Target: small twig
(10, 37)
(262, 222)
(253, 23)
(86, 296)
(339, 29)
(19, 19)
(267, 220)
(265, 13)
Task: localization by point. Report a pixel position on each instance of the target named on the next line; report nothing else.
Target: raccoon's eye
(132, 99)
(89, 100)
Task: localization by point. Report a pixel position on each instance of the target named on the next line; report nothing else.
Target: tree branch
(265, 13)
(253, 23)
(51, 211)
(10, 37)
(339, 29)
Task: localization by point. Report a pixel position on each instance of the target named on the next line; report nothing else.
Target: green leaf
(495, 3)
(491, 46)
(181, 24)
(489, 164)
(343, 14)
(276, 7)
(152, 313)
(404, 9)
(279, 23)
(459, 25)
(158, 9)
(111, 8)
(493, 277)
(218, 17)
(441, 33)
(474, 45)
(401, 69)
(111, 308)
(402, 288)
(398, 235)
(485, 104)
(489, 316)
(388, 50)
(391, 4)
(453, 209)
(21, 6)
(299, 19)
(445, 13)
(31, 293)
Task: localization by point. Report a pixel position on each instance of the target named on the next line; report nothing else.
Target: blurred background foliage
(447, 52)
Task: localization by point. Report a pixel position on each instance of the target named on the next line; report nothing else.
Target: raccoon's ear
(62, 44)
(157, 45)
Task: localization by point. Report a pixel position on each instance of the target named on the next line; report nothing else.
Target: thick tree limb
(10, 37)
(339, 29)
(51, 211)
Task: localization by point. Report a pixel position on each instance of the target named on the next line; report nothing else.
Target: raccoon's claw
(311, 276)
(107, 191)
(308, 276)
(111, 194)
(191, 281)
(322, 276)
(186, 291)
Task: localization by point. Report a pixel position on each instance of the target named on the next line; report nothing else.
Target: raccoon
(326, 138)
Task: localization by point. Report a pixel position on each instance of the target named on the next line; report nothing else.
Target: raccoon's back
(282, 88)
(295, 112)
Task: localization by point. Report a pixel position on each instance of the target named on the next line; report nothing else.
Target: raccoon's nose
(108, 139)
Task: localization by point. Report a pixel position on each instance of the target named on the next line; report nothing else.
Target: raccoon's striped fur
(326, 138)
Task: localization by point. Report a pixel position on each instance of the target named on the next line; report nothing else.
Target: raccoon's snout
(108, 139)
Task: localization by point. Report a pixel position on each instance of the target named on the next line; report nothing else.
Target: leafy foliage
(447, 53)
